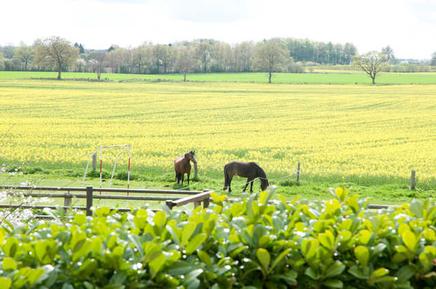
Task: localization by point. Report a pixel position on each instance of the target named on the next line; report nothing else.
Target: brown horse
(250, 170)
(182, 166)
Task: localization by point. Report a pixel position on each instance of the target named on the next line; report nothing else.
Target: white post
(129, 166)
(101, 166)
(298, 173)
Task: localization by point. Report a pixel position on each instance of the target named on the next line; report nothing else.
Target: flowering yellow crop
(332, 129)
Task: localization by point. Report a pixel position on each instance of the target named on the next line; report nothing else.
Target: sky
(408, 26)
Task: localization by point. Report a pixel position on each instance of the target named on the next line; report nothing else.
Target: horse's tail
(226, 178)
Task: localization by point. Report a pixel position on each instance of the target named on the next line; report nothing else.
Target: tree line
(202, 55)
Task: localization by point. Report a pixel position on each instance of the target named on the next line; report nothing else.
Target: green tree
(24, 55)
(271, 56)
(55, 52)
(371, 63)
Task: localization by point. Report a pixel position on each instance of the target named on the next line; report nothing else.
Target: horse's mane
(260, 170)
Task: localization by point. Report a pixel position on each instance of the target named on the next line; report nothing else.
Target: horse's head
(264, 184)
(191, 156)
(263, 179)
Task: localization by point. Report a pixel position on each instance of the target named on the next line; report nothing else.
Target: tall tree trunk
(59, 73)
(269, 76)
(184, 76)
(373, 80)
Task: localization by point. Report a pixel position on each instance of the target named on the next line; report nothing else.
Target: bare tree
(223, 58)
(271, 56)
(2, 61)
(184, 60)
(433, 59)
(371, 63)
(96, 59)
(204, 52)
(389, 53)
(55, 52)
(141, 57)
(243, 56)
(24, 55)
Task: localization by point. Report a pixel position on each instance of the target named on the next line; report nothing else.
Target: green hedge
(256, 242)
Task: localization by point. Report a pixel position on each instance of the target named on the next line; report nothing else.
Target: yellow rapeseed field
(332, 129)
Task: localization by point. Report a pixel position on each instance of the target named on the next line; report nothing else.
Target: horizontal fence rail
(107, 190)
(194, 197)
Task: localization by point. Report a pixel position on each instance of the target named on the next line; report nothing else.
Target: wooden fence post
(413, 180)
(298, 173)
(89, 195)
(67, 201)
(206, 202)
(94, 162)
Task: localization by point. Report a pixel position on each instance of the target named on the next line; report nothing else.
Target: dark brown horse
(250, 170)
(182, 166)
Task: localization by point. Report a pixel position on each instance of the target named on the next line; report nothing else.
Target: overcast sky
(408, 26)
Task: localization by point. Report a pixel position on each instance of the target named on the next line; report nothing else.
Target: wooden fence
(197, 198)
(89, 193)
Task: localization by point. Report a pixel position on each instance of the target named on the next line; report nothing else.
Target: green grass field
(341, 77)
(366, 137)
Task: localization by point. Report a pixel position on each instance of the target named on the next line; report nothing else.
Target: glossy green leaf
(157, 264)
(380, 272)
(195, 243)
(364, 236)
(204, 257)
(279, 258)
(187, 232)
(309, 248)
(160, 219)
(312, 273)
(327, 240)
(405, 273)
(333, 283)
(264, 258)
(362, 255)
(10, 247)
(335, 269)
(140, 218)
(410, 240)
(416, 206)
(9, 264)
(5, 282)
(34, 275)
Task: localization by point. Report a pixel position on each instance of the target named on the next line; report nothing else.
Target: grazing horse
(250, 170)
(182, 166)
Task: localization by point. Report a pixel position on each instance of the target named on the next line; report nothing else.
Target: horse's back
(181, 166)
(238, 168)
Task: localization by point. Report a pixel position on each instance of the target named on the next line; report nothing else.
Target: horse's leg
(251, 186)
(188, 178)
(182, 177)
(229, 184)
(226, 181)
(246, 185)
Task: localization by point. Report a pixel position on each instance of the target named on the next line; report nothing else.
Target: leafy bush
(255, 242)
